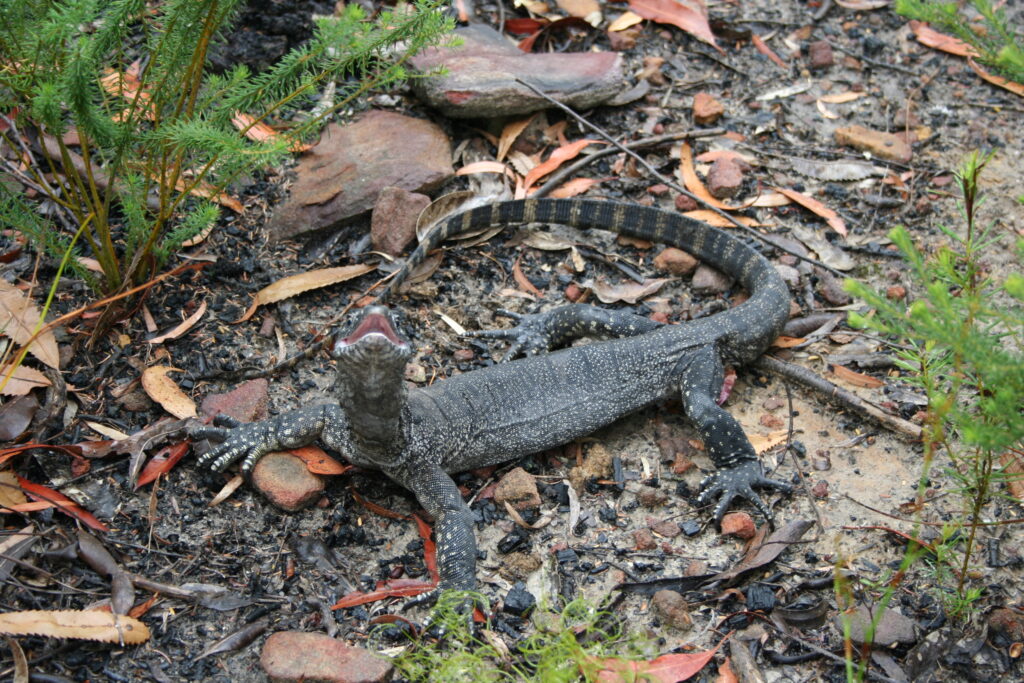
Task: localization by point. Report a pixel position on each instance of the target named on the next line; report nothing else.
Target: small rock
(463, 355)
(519, 601)
(695, 568)
(685, 203)
(896, 292)
(518, 566)
(294, 656)
(725, 178)
(664, 527)
(342, 175)
(246, 403)
(707, 280)
(771, 421)
(573, 292)
(1008, 622)
(831, 289)
(738, 524)
(672, 609)
(393, 221)
(821, 55)
(518, 488)
(137, 401)
(479, 78)
(880, 144)
(675, 261)
(789, 274)
(620, 41)
(658, 189)
(644, 539)
(820, 490)
(651, 497)
(652, 71)
(706, 109)
(892, 628)
(597, 464)
(773, 403)
(286, 481)
(691, 527)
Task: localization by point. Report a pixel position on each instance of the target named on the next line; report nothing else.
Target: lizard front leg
(739, 468)
(535, 333)
(251, 441)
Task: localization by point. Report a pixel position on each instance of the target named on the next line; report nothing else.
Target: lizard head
(371, 361)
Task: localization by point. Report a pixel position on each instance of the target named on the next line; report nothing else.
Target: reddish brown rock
(675, 261)
(685, 203)
(658, 189)
(738, 524)
(725, 178)
(393, 221)
(341, 177)
(573, 292)
(294, 656)
(664, 527)
(246, 403)
(707, 280)
(820, 490)
(480, 76)
(706, 109)
(880, 144)
(650, 497)
(831, 289)
(286, 481)
(672, 609)
(896, 292)
(519, 489)
(644, 539)
(463, 355)
(820, 53)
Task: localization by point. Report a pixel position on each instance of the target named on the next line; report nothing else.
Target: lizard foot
(453, 609)
(739, 481)
(530, 335)
(233, 440)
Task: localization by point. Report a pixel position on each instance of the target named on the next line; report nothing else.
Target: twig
(556, 178)
(826, 6)
(875, 62)
(847, 399)
(796, 466)
(668, 181)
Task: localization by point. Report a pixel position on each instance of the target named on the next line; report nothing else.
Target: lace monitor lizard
(495, 414)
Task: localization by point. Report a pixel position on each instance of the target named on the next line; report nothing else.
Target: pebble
(644, 539)
(286, 481)
(706, 109)
(675, 261)
(821, 55)
(725, 178)
(738, 524)
(707, 280)
(293, 656)
(672, 609)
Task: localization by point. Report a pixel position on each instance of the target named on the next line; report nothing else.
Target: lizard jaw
(376, 327)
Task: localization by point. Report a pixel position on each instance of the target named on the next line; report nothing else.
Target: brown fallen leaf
(712, 218)
(926, 35)
(624, 21)
(509, 134)
(22, 380)
(574, 187)
(85, 625)
(587, 10)
(162, 389)
(318, 462)
(811, 204)
(689, 15)
(181, 328)
(10, 492)
(524, 282)
(1006, 84)
(630, 292)
(763, 550)
(763, 48)
(288, 287)
(558, 157)
(670, 668)
(762, 442)
(842, 97)
(19, 319)
(855, 378)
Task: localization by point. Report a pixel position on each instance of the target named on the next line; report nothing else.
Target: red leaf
(557, 158)
(318, 462)
(163, 462)
(523, 282)
(62, 503)
(399, 588)
(689, 15)
(664, 669)
(429, 549)
(523, 26)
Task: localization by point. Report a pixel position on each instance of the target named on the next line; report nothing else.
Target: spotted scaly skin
(503, 412)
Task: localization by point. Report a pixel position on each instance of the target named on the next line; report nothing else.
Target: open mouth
(374, 323)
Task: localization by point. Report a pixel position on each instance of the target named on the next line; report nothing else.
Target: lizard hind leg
(739, 469)
(535, 333)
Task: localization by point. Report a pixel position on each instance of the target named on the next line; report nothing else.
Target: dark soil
(289, 568)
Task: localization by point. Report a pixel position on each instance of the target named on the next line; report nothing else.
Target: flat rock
(342, 176)
(519, 489)
(286, 481)
(707, 280)
(480, 77)
(892, 628)
(880, 144)
(725, 178)
(393, 222)
(293, 656)
(246, 403)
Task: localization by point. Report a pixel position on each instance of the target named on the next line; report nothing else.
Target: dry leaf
(86, 625)
(831, 171)
(784, 92)
(11, 495)
(109, 432)
(226, 490)
(855, 378)
(1015, 88)
(509, 134)
(926, 35)
(842, 97)
(19, 318)
(827, 253)
(763, 48)
(587, 10)
(23, 380)
(456, 327)
(689, 15)
(546, 241)
(694, 184)
(318, 462)
(825, 111)
(524, 282)
(762, 442)
(162, 389)
(711, 218)
(182, 327)
(630, 292)
(486, 167)
(288, 287)
(811, 204)
(624, 21)
(557, 158)
(783, 342)
(574, 187)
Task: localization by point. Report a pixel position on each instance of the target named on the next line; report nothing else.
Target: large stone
(393, 222)
(725, 178)
(341, 177)
(294, 656)
(480, 77)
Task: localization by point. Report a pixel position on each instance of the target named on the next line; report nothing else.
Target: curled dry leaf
(857, 379)
(825, 111)
(689, 15)
(181, 328)
(19, 318)
(842, 97)
(288, 287)
(85, 625)
(630, 292)
(510, 133)
(162, 389)
(22, 380)
(441, 208)
(557, 158)
(624, 21)
(574, 187)
(762, 442)
(546, 241)
(811, 204)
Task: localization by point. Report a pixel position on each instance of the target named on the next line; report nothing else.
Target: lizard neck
(373, 399)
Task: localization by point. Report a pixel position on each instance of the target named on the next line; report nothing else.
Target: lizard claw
(739, 482)
(234, 440)
(448, 605)
(530, 335)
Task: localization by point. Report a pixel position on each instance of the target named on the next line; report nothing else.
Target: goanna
(499, 413)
